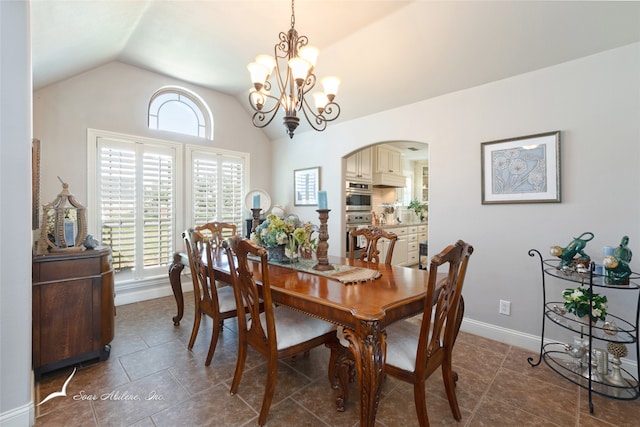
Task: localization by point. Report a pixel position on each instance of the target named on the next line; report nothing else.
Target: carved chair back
(372, 235)
(217, 232)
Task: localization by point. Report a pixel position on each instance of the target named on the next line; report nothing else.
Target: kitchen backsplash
(386, 196)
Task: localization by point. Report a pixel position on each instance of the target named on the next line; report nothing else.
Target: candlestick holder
(323, 246)
(256, 218)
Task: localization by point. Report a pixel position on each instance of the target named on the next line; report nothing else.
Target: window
(142, 196)
(179, 110)
(135, 204)
(217, 186)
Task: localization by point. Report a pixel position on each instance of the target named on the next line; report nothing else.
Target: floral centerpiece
(577, 302)
(284, 236)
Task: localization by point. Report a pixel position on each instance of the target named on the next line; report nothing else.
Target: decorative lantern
(64, 224)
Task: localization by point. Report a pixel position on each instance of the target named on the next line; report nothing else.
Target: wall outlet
(505, 307)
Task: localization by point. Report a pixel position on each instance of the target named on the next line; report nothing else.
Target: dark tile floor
(151, 379)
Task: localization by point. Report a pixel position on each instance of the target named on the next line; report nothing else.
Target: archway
(396, 175)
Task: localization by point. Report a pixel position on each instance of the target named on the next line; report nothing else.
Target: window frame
(93, 221)
(180, 92)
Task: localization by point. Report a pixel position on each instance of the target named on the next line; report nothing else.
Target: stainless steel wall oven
(354, 220)
(358, 196)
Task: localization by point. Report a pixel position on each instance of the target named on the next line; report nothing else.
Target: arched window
(179, 110)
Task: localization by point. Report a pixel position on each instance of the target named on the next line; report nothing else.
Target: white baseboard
(131, 292)
(519, 339)
(22, 416)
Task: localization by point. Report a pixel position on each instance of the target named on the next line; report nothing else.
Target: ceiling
(388, 53)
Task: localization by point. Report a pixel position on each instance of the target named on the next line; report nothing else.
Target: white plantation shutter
(136, 204)
(117, 202)
(218, 188)
(205, 190)
(158, 208)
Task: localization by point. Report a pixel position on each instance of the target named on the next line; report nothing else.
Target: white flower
(596, 312)
(577, 294)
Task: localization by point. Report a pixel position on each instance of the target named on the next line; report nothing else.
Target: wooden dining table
(364, 310)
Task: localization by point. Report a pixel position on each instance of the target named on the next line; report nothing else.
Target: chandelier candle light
(294, 62)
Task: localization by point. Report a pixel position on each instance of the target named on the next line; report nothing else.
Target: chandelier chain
(293, 14)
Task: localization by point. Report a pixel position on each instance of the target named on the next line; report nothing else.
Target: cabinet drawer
(413, 246)
(66, 269)
(400, 231)
(412, 258)
(412, 229)
(422, 229)
(412, 237)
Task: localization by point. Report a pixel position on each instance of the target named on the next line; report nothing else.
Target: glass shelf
(556, 357)
(552, 268)
(626, 331)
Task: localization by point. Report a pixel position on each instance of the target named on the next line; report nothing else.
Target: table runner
(343, 273)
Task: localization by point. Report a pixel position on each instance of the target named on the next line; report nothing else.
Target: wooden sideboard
(73, 308)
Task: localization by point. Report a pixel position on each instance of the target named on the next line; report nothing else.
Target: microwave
(358, 196)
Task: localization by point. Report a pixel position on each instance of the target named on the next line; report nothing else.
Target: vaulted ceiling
(387, 53)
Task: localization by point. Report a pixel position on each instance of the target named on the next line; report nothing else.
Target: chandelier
(294, 61)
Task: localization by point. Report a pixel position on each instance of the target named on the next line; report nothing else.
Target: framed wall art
(35, 184)
(522, 170)
(306, 183)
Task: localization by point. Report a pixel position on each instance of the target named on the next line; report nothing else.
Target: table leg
(175, 269)
(369, 347)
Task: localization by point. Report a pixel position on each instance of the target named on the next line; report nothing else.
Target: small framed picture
(522, 170)
(306, 183)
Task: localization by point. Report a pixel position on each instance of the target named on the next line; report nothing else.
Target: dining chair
(217, 303)
(415, 352)
(218, 231)
(277, 332)
(371, 235)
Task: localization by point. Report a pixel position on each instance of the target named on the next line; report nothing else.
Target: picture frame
(306, 183)
(35, 184)
(525, 169)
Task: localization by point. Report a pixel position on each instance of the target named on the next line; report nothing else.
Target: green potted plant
(576, 301)
(418, 208)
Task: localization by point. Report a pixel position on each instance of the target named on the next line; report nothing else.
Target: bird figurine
(574, 252)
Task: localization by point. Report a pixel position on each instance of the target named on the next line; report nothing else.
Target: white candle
(322, 199)
(256, 201)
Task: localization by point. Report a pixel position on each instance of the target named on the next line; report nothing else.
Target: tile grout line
(484, 394)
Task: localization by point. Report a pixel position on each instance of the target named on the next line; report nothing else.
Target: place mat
(342, 273)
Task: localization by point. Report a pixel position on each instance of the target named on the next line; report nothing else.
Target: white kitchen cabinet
(422, 233)
(387, 160)
(412, 245)
(401, 249)
(359, 165)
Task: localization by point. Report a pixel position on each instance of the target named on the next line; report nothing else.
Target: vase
(276, 253)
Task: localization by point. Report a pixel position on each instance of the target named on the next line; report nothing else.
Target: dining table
(363, 309)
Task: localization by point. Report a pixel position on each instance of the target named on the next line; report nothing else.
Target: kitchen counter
(403, 224)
